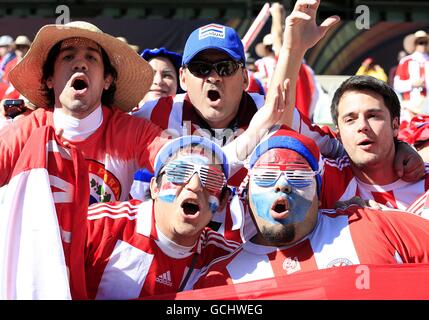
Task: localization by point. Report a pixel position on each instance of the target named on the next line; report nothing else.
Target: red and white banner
(355, 282)
(43, 222)
(256, 26)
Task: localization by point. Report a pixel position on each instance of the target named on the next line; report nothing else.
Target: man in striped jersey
(293, 235)
(137, 249)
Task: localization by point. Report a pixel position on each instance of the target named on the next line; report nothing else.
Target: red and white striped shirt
(126, 258)
(180, 117)
(339, 182)
(120, 146)
(341, 237)
(410, 69)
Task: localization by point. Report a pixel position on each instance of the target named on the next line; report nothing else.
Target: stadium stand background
(155, 23)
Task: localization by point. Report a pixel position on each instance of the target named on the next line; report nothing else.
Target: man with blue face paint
(291, 234)
(137, 249)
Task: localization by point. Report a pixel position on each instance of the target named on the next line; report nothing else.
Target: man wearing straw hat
(412, 74)
(83, 81)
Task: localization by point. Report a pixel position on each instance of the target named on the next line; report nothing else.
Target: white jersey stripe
(125, 273)
(330, 235)
(114, 211)
(113, 216)
(108, 206)
(247, 267)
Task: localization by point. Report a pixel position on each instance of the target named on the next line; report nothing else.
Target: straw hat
(410, 40)
(133, 46)
(6, 41)
(22, 41)
(135, 75)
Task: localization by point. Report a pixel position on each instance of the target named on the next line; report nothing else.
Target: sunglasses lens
(297, 178)
(226, 68)
(222, 68)
(200, 69)
(265, 178)
(179, 172)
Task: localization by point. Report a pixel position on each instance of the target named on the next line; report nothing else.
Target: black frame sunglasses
(224, 68)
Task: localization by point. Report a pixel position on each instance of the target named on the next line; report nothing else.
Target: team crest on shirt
(103, 185)
(291, 265)
(340, 262)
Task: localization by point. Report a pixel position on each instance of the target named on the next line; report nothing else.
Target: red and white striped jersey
(410, 69)
(341, 237)
(125, 258)
(180, 117)
(120, 146)
(338, 181)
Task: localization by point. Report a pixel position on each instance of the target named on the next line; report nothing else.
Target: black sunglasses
(422, 42)
(224, 68)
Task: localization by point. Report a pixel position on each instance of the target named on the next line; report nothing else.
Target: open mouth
(213, 95)
(280, 208)
(79, 84)
(365, 142)
(190, 207)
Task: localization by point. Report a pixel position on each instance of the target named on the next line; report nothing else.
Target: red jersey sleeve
(407, 233)
(14, 137)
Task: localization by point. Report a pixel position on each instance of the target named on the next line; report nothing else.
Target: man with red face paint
(293, 235)
(366, 114)
(137, 249)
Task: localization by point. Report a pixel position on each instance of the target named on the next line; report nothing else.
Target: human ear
(154, 190)
(337, 131)
(224, 199)
(395, 126)
(49, 83)
(182, 78)
(107, 82)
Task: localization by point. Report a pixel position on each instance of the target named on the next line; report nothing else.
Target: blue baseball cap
(174, 57)
(214, 36)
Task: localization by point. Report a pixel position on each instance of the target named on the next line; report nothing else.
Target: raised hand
(301, 30)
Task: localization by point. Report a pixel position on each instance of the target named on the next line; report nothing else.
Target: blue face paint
(213, 204)
(169, 190)
(299, 200)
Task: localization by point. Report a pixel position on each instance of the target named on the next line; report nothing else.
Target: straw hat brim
(410, 42)
(134, 77)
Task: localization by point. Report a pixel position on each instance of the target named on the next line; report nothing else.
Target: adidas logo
(165, 278)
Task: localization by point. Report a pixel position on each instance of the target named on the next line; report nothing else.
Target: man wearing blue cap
(137, 249)
(214, 77)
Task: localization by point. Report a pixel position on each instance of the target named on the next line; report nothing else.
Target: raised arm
(301, 33)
